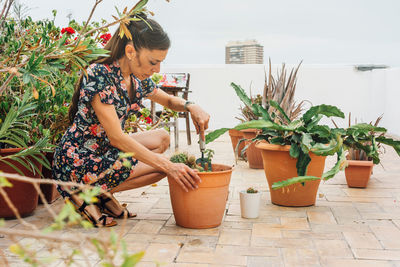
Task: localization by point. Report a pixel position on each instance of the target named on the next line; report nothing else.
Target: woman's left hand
(200, 119)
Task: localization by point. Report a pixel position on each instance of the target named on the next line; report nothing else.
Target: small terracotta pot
(235, 137)
(280, 166)
(49, 190)
(358, 173)
(22, 194)
(205, 206)
(253, 153)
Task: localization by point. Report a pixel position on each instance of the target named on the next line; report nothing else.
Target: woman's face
(146, 62)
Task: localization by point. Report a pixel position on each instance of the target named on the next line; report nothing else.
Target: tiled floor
(346, 227)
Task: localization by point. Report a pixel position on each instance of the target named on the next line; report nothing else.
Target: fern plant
(14, 132)
(304, 135)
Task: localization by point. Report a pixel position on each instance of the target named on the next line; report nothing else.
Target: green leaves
(294, 180)
(215, 134)
(326, 110)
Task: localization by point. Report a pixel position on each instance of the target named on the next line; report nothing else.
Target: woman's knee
(164, 140)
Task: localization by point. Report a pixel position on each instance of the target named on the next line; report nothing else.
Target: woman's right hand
(186, 177)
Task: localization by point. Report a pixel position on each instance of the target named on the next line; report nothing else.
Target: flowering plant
(144, 122)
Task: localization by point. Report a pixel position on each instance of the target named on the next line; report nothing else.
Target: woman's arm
(199, 117)
(108, 118)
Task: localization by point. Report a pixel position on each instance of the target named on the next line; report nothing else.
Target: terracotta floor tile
(333, 249)
(375, 254)
(362, 240)
(234, 237)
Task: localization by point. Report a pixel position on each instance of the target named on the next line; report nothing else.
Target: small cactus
(185, 158)
(251, 190)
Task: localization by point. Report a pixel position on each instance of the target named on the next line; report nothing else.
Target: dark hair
(146, 33)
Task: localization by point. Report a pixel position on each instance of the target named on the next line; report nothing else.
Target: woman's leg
(155, 140)
(142, 175)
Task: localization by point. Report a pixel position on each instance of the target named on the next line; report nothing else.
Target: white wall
(365, 94)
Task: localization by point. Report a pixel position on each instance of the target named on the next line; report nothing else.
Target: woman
(112, 91)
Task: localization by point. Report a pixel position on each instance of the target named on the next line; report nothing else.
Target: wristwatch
(186, 104)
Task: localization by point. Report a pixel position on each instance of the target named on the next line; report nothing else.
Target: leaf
(4, 182)
(215, 134)
(339, 165)
(305, 142)
(390, 142)
(132, 260)
(365, 127)
(242, 95)
(302, 163)
(294, 180)
(294, 150)
(278, 107)
(326, 110)
(327, 149)
(138, 6)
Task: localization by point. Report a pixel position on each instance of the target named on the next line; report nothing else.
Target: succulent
(185, 158)
(251, 190)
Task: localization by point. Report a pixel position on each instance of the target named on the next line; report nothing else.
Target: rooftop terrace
(346, 227)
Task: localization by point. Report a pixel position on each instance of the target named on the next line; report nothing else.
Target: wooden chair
(176, 84)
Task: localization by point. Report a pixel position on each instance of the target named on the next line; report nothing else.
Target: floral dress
(85, 154)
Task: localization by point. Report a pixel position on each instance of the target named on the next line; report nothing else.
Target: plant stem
(90, 16)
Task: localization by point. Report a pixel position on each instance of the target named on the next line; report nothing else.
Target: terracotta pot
(253, 153)
(49, 190)
(358, 173)
(235, 137)
(205, 206)
(279, 166)
(22, 194)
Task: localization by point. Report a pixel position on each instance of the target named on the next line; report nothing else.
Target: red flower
(68, 30)
(148, 120)
(105, 38)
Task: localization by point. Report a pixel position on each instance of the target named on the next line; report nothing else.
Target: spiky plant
(251, 190)
(280, 89)
(14, 132)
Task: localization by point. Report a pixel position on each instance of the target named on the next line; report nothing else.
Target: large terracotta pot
(205, 206)
(22, 194)
(49, 190)
(253, 153)
(235, 137)
(280, 166)
(358, 173)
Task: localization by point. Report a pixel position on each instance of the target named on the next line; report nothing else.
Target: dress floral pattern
(85, 154)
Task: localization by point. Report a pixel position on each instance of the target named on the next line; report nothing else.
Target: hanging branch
(90, 16)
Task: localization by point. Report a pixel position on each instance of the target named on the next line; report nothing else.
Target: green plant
(363, 141)
(14, 131)
(304, 135)
(280, 89)
(185, 158)
(251, 190)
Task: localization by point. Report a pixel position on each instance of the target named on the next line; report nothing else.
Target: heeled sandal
(100, 222)
(103, 208)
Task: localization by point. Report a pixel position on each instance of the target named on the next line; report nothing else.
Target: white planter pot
(250, 204)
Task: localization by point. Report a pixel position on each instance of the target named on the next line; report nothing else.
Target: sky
(346, 32)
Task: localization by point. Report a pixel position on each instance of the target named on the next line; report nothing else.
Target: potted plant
(17, 157)
(45, 60)
(294, 151)
(362, 142)
(250, 203)
(203, 207)
(280, 89)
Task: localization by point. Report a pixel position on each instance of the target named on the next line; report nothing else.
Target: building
(246, 52)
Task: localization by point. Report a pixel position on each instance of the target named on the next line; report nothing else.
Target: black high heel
(81, 209)
(103, 208)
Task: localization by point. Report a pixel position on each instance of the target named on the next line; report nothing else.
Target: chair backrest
(178, 80)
